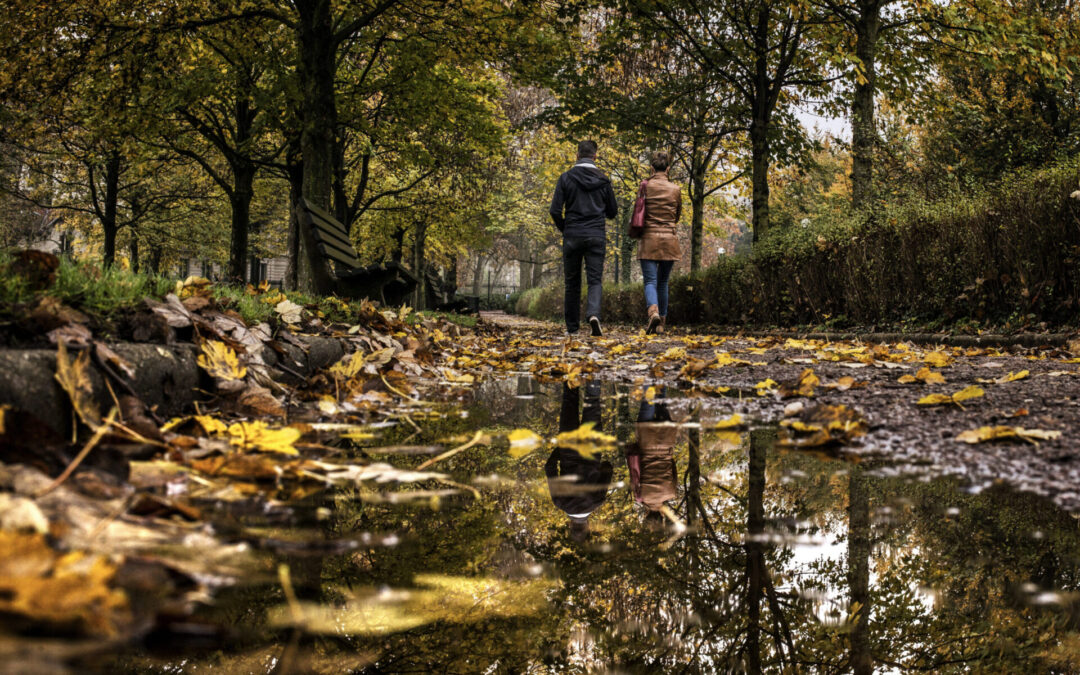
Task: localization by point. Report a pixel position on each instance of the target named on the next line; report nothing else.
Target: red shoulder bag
(637, 220)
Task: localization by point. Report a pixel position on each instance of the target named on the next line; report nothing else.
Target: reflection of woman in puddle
(650, 458)
(578, 484)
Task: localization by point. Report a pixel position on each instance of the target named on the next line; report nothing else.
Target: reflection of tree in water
(729, 594)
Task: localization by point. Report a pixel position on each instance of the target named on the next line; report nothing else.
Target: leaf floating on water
(733, 422)
(437, 598)
(585, 439)
(220, 360)
(964, 394)
(522, 442)
(258, 436)
(378, 472)
(73, 376)
(999, 433)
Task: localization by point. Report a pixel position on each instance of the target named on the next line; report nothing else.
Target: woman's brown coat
(663, 208)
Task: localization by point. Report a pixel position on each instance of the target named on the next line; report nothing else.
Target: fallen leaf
(522, 442)
(733, 422)
(258, 436)
(938, 359)
(289, 311)
(804, 386)
(220, 361)
(585, 439)
(998, 433)
(955, 398)
(75, 380)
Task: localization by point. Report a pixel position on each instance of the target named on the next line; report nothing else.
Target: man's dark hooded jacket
(588, 198)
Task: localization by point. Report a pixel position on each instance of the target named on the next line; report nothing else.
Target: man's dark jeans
(591, 250)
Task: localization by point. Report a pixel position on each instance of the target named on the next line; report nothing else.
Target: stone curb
(167, 378)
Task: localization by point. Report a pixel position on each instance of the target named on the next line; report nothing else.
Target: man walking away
(583, 199)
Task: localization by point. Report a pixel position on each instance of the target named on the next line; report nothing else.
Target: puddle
(678, 550)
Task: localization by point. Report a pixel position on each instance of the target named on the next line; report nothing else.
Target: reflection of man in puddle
(578, 484)
(650, 459)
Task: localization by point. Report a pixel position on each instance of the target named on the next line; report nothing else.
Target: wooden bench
(389, 283)
(441, 294)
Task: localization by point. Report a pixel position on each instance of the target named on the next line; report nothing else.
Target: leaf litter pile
(119, 528)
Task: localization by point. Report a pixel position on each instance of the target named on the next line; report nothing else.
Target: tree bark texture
(863, 131)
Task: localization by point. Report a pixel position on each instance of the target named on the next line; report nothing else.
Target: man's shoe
(595, 323)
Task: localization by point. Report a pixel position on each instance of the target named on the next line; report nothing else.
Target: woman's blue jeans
(656, 274)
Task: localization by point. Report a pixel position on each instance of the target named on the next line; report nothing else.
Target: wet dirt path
(1014, 391)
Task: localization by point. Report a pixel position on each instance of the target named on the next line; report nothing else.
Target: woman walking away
(659, 245)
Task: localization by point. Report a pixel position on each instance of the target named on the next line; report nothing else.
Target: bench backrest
(333, 239)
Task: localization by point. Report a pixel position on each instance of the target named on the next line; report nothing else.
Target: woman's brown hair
(660, 161)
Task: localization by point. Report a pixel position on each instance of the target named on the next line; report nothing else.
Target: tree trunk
(697, 212)
(296, 190)
(626, 208)
(537, 274)
(761, 111)
(478, 277)
(240, 201)
(759, 151)
(318, 115)
(108, 219)
(862, 660)
(755, 548)
(419, 265)
(133, 252)
(863, 131)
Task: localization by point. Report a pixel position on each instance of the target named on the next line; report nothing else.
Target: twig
(402, 394)
(450, 453)
(290, 595)
(99, 433)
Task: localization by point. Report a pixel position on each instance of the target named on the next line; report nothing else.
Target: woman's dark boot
(654, 320)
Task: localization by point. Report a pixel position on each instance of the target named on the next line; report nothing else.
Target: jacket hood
(588, 179)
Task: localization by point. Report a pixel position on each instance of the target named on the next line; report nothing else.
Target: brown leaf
(74, 334)
(107, 355)
(59, 593)
(74, 377)
(256, 400)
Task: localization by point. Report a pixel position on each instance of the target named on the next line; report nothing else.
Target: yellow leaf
(962, 395)
(257, 436)
(73, 376)
(733, 422)
(984, 434)
(765, 386)
(585, 439)
(220, 361)
(937, 359)
(674, 354)
(522, 442)
(1013, 377)
(968, 393)
(930, 377)
(804, 386)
